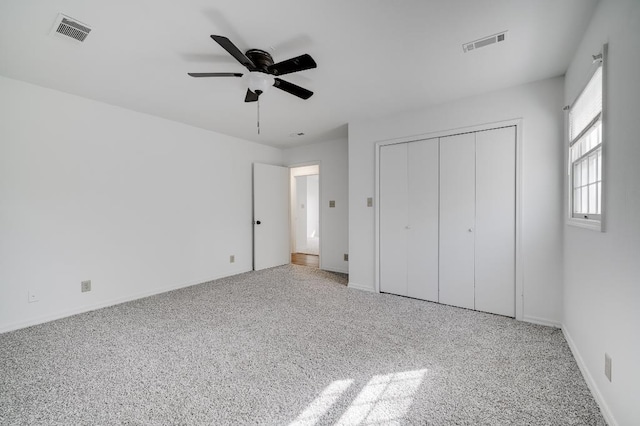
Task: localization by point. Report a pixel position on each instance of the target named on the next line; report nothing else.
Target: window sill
(594, 225)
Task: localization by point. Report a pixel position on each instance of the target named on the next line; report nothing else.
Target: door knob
(407, 227)
(258, 222)
(470, 230)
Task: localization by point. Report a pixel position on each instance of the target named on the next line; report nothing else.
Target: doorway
(305, 215)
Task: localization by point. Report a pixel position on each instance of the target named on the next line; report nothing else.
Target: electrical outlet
(32, 296)
(369, 202)
(85, 286)
(332, 203)
(346, 257)
(232, 258)
(607, 366)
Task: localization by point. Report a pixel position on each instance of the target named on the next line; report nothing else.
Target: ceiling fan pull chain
(258, 115)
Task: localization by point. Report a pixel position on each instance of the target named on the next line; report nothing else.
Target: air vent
(69, 28)
(486, 41)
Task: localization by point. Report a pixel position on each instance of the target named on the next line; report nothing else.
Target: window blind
(587, 107)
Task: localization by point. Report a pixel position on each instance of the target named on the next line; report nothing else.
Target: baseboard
(591, 383)
(338, 270)
(541, 321)
(92, 307)
(356, 286)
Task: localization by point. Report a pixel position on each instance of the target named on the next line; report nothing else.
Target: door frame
(519, 270)
(320, 205)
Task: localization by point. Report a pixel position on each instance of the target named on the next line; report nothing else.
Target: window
(585, 154)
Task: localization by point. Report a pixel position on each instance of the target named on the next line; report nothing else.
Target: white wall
(134, 203)
(333, 158)
(539, 104)
(313, 206)
(602, 270)
(300, 217)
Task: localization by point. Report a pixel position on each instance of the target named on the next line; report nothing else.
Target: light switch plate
(370, 202)
(332, 203)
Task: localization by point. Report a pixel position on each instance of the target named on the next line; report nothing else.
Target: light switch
(370, 202)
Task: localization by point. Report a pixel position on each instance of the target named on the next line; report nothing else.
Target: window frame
(592, 221)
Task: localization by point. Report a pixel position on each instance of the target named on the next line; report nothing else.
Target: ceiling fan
(262, 71)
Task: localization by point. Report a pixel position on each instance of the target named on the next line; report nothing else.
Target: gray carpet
(289, 345)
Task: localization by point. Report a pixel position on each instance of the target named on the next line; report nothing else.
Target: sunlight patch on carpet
(384, 398)
(312, 414)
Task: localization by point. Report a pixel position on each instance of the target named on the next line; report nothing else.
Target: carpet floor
(289, 346)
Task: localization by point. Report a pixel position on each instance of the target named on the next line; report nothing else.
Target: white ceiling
(375, 57)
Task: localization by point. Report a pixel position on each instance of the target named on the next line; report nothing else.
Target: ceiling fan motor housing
(260, 58)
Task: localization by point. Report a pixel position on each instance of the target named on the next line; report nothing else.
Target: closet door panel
(422, 253)
(393, 219)
(457, 220)
(495, 221)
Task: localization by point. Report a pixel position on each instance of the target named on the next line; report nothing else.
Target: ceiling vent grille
(66, 27)
(486, 41)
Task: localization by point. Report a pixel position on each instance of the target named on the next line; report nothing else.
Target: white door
(457, 220)
(270, 216)
(422, 244)
(393, 219)
(495, 221)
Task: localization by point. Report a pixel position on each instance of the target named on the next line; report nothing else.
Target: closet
(447, 220)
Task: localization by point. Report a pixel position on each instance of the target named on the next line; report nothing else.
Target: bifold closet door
(422, 232)
(393, 218)
(495, 221)
(457, 220)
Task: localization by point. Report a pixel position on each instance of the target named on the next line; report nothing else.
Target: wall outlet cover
(232, 258)
(346, 257)
(85, 286)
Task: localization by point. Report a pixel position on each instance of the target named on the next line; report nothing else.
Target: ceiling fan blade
(293, 89)
(251, 97)
(234, 51)
(299, 63)
(215, 74)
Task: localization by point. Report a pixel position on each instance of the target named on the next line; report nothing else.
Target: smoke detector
(486, 41)
(69, 28)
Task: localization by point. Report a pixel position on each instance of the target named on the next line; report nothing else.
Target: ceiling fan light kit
(259, 82)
